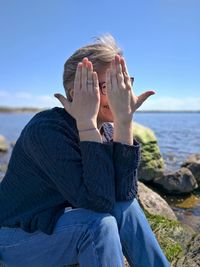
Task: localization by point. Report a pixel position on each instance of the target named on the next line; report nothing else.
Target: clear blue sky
(160, 39)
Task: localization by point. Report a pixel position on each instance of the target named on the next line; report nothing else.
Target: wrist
(123, 121)
(123, 125)
(92, 135)
(82, 126)
(123, 133)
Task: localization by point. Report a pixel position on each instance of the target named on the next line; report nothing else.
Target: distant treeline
(21, 109)
(168, 111)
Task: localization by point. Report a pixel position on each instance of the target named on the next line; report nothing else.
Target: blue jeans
(86, 237)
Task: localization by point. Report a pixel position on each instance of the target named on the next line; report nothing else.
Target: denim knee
(119, 209)
(102, 238)
(105, 223)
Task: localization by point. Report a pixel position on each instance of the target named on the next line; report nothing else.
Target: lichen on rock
(151, 164)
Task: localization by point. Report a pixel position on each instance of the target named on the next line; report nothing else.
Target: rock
(151, 164)
(143, 134)
(12, 144)
(189, 217)
(193, 164)
(182, 181)
(153, 203)
(3, 168)
(192, 255)
(3, 144)
(172, 236)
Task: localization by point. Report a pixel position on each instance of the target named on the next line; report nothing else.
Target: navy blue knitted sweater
(50, 169)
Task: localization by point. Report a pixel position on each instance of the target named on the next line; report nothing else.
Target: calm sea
(178, 136)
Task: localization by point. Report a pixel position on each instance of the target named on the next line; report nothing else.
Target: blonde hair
(100, 53)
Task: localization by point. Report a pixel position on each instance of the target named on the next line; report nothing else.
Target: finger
(127, 81)
(95, 83)
(114, 85)
(119, 74)
(117, 63)
(63, 100)
(124, 67)
(90, 76)
(108, 81)
(125, 73)
(84, 73)
(143, 97)
(77, 80)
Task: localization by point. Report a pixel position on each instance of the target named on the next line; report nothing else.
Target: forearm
(123, 133)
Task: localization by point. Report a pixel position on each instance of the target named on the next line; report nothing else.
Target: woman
(70, 192)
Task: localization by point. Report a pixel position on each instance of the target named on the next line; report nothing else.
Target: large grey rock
(3, 144)
(153, 203)
(192, 256)
(182, 181)
(193, 164)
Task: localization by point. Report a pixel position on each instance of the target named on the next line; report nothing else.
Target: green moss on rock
(163, 229)
(172, 236)
(152, 163)
(143, 134)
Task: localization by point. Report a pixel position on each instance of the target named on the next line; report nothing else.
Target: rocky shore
(179, 241)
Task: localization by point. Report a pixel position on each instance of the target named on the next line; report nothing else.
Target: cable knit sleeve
(126, 160)
(82, 172)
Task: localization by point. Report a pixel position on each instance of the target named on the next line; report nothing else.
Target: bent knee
(106, 224)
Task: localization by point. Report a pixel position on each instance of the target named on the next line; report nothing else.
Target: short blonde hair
(100, 53)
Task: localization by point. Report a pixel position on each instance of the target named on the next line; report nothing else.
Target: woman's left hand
(121, 98)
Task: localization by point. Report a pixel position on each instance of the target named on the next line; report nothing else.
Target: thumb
(144, 96)
(63, 100)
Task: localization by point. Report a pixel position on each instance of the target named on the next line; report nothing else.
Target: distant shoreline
(34, 109)
(168, 111)
(20, 110)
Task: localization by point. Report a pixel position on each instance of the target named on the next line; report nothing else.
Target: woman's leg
(138, 241)
(80, 235)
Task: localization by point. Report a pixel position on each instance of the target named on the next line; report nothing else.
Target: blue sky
(160, 40)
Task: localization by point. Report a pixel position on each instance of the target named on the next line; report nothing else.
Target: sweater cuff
(98, 170)
(128, 154)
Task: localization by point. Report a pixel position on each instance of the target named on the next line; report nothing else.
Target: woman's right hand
(86, 97)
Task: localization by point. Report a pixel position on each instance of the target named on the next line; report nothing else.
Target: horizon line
(23, 108)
